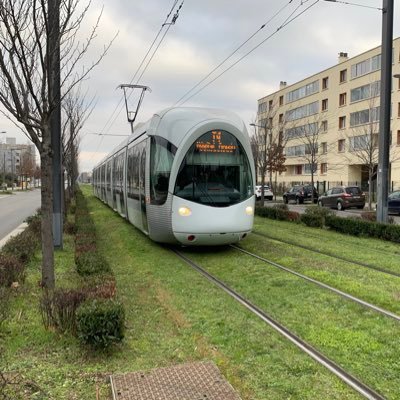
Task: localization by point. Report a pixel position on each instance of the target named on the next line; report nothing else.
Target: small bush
(100, 322)
(69, 228)
(277, 212)
(360, 227)
(90, 263)
(4, 304)
(282, 206)
(11, 270)
(315, 216)
(22, 246)
(35, 223)
(58, 308)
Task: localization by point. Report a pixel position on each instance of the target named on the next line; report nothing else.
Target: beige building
(335, 111)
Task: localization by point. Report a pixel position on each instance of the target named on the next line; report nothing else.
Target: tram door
(142, 180)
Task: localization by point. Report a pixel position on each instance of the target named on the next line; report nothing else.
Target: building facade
(330, 123)
(14, 158)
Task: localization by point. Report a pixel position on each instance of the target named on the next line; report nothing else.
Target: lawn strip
(349, 334)
(369, 285)
(377, 252)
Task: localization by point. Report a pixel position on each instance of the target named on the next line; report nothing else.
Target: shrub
(58, 308)
(22, 246)
(4, 304)
(315, 216)
(90, 263)
(11, 270)
(69, 228)
(35, 223)
(360, 227)
(278, 212)
(100, 322)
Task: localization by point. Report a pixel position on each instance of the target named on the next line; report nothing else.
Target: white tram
(186, 176)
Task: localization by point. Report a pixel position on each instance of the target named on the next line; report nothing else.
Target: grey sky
(205, 33)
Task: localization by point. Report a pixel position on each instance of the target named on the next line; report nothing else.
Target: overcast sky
(205, 33)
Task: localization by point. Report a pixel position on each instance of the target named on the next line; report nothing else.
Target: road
(15, 208)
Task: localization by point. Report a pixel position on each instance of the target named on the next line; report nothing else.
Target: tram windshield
(215, 171)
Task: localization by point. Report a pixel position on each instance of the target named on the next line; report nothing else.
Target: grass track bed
(344, 331)
(369, 285)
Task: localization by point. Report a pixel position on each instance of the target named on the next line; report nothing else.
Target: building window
(325, 83)
(366, 91)
(342, 99)
(398, 138)
(280, 118)
(324, 104)
(343, 75)
(398, 110)
(298, 170)
(324, 168)
(341, 145)
(270, 104)
(303, 91)
(324, 126)
(342, 122)
(270, 123)
(324, 146)
(281, 100)
(302, 111)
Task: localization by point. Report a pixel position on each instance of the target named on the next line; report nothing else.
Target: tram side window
(161, 159)
(133, 173)
(108, 171)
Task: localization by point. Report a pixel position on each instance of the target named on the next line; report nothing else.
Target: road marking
(15, 232)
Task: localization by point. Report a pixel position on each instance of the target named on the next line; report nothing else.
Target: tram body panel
(212, 225)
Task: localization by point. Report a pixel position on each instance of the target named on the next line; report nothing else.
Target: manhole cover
(193, 381)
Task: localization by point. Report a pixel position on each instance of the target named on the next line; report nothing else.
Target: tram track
(349, 260)
(336, 369)
(321, 284)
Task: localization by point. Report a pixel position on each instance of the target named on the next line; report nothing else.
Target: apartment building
(13, 156)
(336, 113)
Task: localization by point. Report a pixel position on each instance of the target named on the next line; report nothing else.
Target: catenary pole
(384, 113)
(55, 122)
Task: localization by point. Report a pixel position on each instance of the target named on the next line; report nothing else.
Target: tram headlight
(249, 210)
(184, 211)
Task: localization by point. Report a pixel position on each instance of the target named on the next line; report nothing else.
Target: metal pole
(384, 117)
(55, 122)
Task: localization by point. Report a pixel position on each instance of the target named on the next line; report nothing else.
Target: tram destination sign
(217, 143)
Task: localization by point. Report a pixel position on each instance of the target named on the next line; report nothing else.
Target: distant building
(341, 106)
(12, 156)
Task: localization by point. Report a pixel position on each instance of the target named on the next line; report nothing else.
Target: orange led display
(216, 145)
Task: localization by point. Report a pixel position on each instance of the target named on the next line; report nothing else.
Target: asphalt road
(15, 208)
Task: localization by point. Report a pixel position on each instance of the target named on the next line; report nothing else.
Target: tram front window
(215, 171)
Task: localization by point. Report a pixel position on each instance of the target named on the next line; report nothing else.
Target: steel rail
(361, 264)
(321, 284)
(350, 380)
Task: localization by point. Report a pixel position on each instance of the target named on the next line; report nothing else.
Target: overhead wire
(111, 120)
(283, 25)
(234, 52)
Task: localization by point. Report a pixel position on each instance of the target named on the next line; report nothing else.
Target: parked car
(268, 195)
(394, 202)
(300, 193)
(342, 197)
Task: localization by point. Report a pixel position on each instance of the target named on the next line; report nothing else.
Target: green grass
(175, 316)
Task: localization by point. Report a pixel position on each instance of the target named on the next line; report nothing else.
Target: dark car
(342, 197)
(300, 193)
(394, 202)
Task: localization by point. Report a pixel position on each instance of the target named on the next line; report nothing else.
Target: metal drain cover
(193, 381)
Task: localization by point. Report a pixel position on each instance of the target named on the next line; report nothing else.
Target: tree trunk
(48, 278)
(370, 172)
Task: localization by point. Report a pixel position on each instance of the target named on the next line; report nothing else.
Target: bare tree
(309, 150)
(363, 139)
(267, 143)
(76, 110)
(27, 167)
(26, 84)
